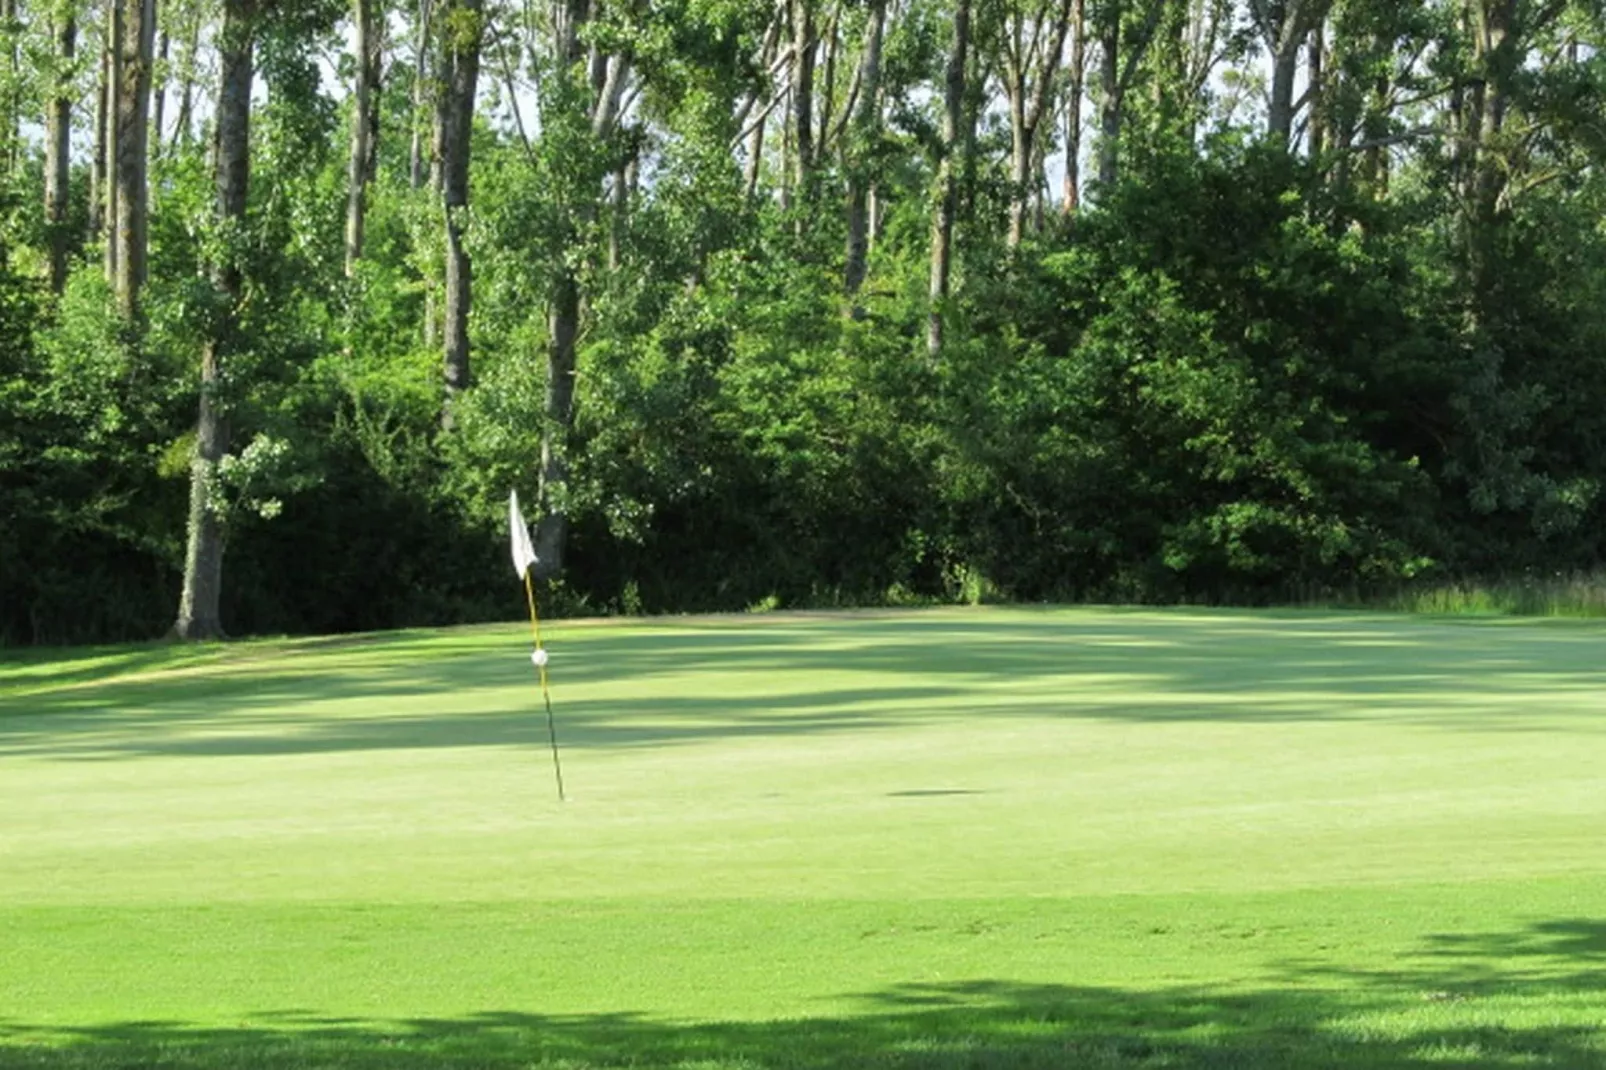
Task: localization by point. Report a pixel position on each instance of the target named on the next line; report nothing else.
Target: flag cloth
(523, 552)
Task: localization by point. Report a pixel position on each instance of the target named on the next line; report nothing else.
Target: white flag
(523, 552)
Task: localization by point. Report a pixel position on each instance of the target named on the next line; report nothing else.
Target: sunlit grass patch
(951, 838)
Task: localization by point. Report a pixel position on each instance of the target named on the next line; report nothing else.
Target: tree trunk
(802, 100)
(1030, 84)
(947, 193)
(159, 93)
(418, 165)
(1495, 62)
(97, 164)
(364, 127)
(866, 121)
(129, 232)
(13, 100)
(1318, 89)
(786, 154)
(1111, 91)
(1280, 112)
(755, 157)
(58, 147)
(552, 529)
(1284, 26)
(199, 606)
(583, 184)
(1071, 199)
(186, 94)
(1020, 160)
(822, 137)
(461, 58)
(111, 74)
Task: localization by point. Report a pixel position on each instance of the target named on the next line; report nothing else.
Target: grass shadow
(686, 681)
(970, 1025)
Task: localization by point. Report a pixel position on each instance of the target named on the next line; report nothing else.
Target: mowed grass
(953, 838)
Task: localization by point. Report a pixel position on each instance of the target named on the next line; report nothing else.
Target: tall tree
(804, 45)
(11, 22)
(188, 73)
(462, 32)
(106, 130)
(199, 605)
(364, 124)
(159, 79)
(1033, 41)
(58, 140)
(1075, 81)
(1285, 25)
(135, 45)
(1125, 29)
(946, 207)
(861, 148)
(583, 112)
(418, 157)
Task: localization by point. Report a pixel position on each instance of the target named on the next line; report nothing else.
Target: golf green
(966, 837)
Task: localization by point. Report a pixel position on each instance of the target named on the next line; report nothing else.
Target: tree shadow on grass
(696, 680)
(1529, 998)
(984, 1024)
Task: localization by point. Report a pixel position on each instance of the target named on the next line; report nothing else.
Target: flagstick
(551, 726)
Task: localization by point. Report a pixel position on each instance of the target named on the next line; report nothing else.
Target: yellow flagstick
(540, 667)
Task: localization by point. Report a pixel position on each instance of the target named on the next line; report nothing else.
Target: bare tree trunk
(802, 99)
(97, 165)
(1116, 78)
(755, 158)
(563, 335)
(437, 80)
(1020, 158)
(1280, 112)
(1495, 62)
(364, 126)
(1110, 104)
(129, 233)
(866, 122)
(786, 155)
(822, 138)
(947, 194)
(112, 64)
(1040, 190)
(159, 93)
(461, 58)
(418, 165)
(1284, 25)
(13, 100)
(1029, 78)
(608, 77)
(182, 125)
(199, 615)
(1076, 71)
(58, 147)
(1318, 88)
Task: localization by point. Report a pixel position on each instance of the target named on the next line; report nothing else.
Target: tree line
(788, 302)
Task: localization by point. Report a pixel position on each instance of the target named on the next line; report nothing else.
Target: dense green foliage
(1246, 368)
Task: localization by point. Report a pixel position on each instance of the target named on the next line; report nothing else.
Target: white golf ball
(539, 657)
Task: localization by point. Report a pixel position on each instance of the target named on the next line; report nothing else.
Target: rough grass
(1580, 594)
(957, 838)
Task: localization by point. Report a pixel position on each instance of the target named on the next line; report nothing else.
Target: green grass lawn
(952, 838)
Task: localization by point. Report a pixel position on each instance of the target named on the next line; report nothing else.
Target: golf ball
(539, 657)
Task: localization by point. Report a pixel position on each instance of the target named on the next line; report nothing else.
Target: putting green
(1264, 834)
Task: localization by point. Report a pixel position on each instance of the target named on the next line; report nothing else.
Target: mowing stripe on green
(1355, 826)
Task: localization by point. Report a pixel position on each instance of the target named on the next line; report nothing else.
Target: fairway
(947, 838)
